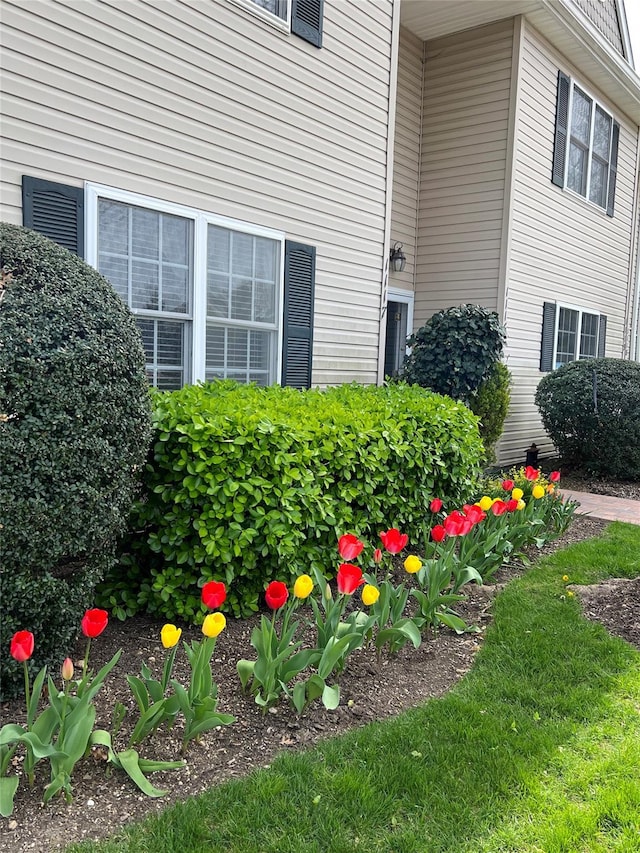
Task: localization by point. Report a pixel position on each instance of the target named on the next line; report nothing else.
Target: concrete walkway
(605, 506)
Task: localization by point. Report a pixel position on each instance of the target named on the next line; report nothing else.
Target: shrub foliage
(490, 402)
(74, 427)
(454, 351)
(248, 484)
(591, 410)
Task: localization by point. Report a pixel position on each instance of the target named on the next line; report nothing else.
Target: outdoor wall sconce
(397, 258)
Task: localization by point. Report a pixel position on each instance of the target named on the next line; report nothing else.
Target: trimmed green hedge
(248, 484)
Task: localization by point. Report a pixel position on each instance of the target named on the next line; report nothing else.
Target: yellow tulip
(213, 624)
(521, 504)
(303, 586)
(537, 492)
(486, 502)
(412, 564)
(517, 494)
(370, 594)
(170, 635)
(565, 578)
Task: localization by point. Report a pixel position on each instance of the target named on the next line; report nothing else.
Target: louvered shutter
(299, 286)
(613, 168)
(562, 126)
(55, 210)
(602, 335)
(306, 20)
(548, 335)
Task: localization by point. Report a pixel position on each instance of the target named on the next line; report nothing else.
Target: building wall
(604, 15)
(462, 168)
(563, 248)
(205, 104)
(406, 160)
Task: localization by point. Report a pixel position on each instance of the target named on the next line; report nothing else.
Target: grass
(537, 750)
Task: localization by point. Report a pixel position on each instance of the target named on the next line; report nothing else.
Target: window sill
(590, 204)
(263, 15)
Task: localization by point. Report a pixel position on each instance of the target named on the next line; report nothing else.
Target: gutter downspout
(391, 132)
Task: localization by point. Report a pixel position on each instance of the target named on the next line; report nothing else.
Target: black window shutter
(299, 286)
(306, 20)
(548, 335)
(55, 210)
(613, 168)
(602, 335)
(562, 126)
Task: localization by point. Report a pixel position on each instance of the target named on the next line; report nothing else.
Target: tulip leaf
(8, 788)
(10, 733)
(129, 761)
(245, 671)
(139, 691)
(331, 696)
(452, 621)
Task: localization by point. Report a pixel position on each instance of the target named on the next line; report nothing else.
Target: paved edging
(605, 506)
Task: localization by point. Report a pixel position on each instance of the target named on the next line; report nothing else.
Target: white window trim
(595, 103)
(201, 219)
(282, 24)
(408, 298)
(580, 311)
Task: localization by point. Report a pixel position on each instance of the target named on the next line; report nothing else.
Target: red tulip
(276, 595)
(377, 556)
(531, 473)
(457, 524)
(22, 644)
(349, 578)
(554, 476)
(393, 540)
(435, 505)
(499, 507)
(507, 485)
(512, 505)
(349, 546)
(438, 533)
(214, 594)
(474, 513)
(94, 622)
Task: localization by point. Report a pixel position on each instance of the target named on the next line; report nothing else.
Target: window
(569, 334)
(303, 17)
(586, 146)
(149, 252)
(279, 8)
(213, 297)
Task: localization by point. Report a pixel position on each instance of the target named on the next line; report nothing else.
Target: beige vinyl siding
(406, 159)
(462, 168)
(563, 248)
(204, 104)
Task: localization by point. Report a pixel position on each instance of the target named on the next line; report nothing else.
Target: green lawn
(537, 750)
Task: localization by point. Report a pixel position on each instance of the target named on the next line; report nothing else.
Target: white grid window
(279, 8)
(576, 335)
(590, 148)
(206, 291)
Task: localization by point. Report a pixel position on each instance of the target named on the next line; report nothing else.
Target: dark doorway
(397, 332)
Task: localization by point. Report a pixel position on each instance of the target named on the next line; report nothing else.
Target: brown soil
(629, 489)
(102, 804)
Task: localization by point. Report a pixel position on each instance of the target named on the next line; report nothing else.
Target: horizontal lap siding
(562, 247)
(404, 208)
(202, 103)
(462, 170)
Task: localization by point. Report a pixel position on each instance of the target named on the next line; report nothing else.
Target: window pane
(276, 7)
(113, 234)
(217, 295)
(169, 380)
(237, 348)
(598, 182)
(144, 285)
(581, 116)
(241, 294)
(602, 134)
(567, 336)
(169, 342)
(164, 347)
(245, 355)
(176, 240)
(577, 171)
(218, 248)
(117, 271)
(589, 336)
(175, 289)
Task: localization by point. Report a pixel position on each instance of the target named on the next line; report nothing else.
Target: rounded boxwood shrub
(74, 433)
(454, 351)
(491, 403)
(591, 410)
(250, 484)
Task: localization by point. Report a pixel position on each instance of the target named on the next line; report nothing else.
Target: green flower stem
(29, 762)
(85, 665)
(168, 667)
(26, 689)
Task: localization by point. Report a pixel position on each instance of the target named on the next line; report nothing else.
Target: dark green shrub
(491, 403)
(250, 484)
(454, 351)
(591, 410)
(74, 429)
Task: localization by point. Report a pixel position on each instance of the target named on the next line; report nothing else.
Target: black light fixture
(397, 258)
